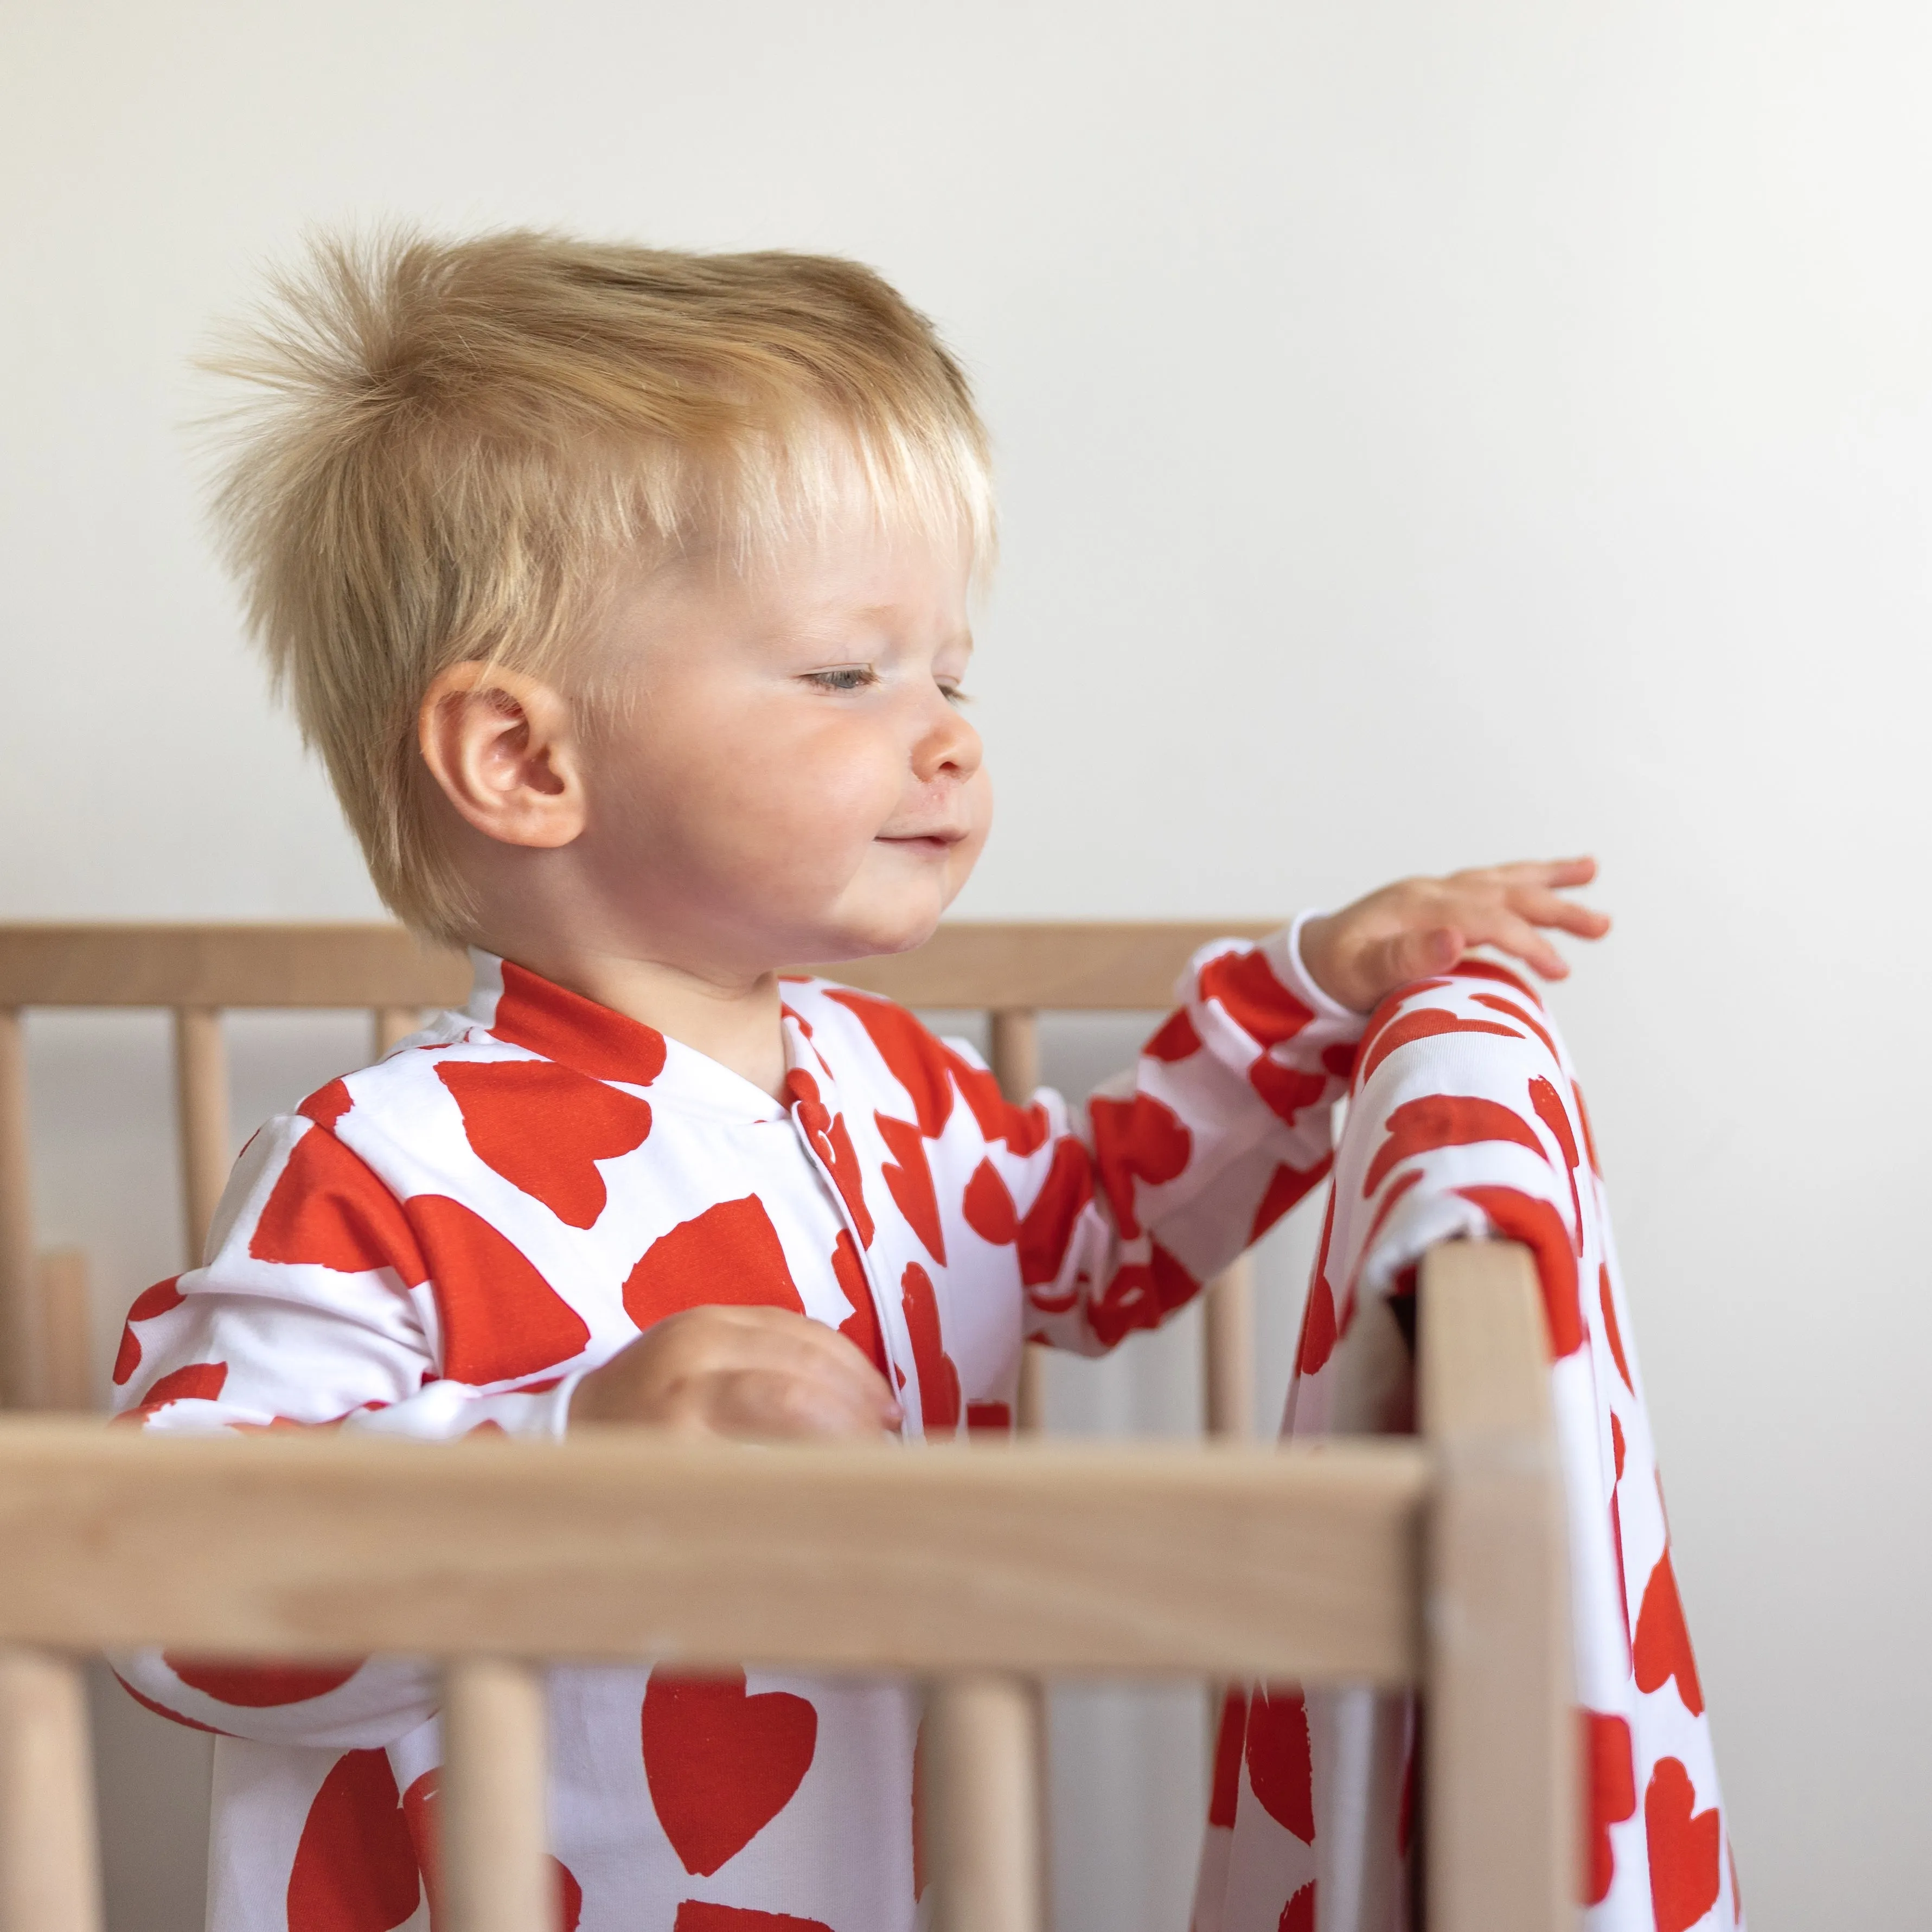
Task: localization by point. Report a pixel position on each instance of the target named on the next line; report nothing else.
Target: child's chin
(868, 938)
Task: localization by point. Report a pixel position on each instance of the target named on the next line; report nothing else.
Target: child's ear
(504, 749)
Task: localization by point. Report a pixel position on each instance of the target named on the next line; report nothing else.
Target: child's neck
(734, 1021)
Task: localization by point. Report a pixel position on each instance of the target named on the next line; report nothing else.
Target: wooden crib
(981, 1569)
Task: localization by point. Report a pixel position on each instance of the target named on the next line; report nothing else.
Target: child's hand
(1406, 931)
(760, 1373)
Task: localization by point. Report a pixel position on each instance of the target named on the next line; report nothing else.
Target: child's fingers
(1547, 908)
(1545, 872)
(734, 1369)
(1515, 936)
(783, 1340)
(839, 1357)
(781, 1404)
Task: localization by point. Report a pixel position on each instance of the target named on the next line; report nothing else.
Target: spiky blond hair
(451, 447)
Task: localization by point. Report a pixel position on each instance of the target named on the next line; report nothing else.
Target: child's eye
(847, 677)
(953, 695)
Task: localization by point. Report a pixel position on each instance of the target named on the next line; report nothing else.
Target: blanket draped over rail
(1465, 1118)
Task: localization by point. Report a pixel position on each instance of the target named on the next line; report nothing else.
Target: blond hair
(453, 446)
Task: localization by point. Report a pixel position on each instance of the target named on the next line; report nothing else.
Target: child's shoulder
(394, 1085)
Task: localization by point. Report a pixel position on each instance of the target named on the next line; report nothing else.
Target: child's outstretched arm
(1417, 927)
(1226, 1122)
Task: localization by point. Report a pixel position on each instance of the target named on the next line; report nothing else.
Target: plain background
(1428, 434)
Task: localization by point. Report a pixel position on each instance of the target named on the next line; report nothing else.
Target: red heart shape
(1142, 1138)
(695, 1914)
(721, 1764)
(544, 1128)
(1298, 1914)
(355, 1867)
(1609, 1778)
(1662, 1650)
(1281, 1770)
(1683, 1848)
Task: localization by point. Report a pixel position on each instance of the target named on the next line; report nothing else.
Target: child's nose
(949, 747)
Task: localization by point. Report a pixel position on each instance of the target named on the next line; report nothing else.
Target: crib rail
(615, 1544)
(1436, 1562)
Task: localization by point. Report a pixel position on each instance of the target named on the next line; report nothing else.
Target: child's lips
(924, 844)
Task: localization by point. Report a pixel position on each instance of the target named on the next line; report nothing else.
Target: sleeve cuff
(1285, 950)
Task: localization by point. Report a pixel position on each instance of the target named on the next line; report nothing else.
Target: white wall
(1428, 434)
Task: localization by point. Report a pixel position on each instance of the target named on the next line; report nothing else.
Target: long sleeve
(313, 1309)
(1182, 1162)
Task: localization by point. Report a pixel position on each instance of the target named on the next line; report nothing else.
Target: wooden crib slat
(1228, 1351)
(496, 1872)
(67, 1331)
(980, 1808)
(22, 1368)
(1015, 1052)
(1500, 1730)
(1015, 1059)
(49, 1872)
(201, 1099)
(1029, 1399)
(388, 1024)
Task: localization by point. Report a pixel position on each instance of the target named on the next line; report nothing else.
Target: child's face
(791, 781)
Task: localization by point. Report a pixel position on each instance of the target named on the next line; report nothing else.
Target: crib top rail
(1087, 965)
(620, 1544)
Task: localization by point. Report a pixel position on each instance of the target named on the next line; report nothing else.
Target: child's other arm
(313, 1309)
(1226, 1121)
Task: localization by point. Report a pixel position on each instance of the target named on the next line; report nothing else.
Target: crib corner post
(1500, 1832)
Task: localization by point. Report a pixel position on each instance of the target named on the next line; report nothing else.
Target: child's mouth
(925, 845)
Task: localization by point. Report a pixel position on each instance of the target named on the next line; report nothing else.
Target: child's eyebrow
(828, 624)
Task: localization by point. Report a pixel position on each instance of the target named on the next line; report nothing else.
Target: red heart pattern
(1609, 1784)
(861, 1327)
(1444, 1121)
(147, 1305)
(1231, 1737)
(1140, 1139)
(1454, 1077)
(354, 1867)
(1281, 1770)
(908, 1178)
(938, 1378)
(721, 1763)
(1684, 1845)
(257, 1687)
(502, 1320)
(445, 1237)
(1662, 1646)
(1287, 1187)
(328, 1210)
(544, 1128)
(729, 1255)
(699, 1915)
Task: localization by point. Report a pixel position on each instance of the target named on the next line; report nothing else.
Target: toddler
(625, 595)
